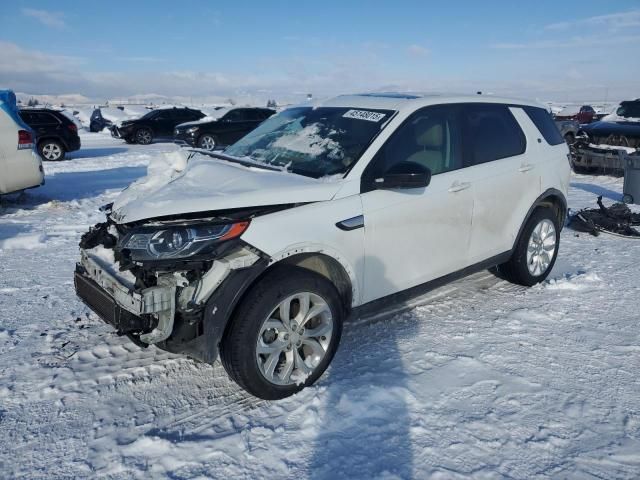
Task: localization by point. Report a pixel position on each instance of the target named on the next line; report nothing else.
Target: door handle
(525, 167)
(458, 186)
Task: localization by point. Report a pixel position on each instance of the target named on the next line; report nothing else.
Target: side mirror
(404, 175)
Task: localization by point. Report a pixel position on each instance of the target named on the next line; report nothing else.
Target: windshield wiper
(245, 161)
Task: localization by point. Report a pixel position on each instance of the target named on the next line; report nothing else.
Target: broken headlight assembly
(177, 242)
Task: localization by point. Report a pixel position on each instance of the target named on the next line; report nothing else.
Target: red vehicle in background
(586, 114)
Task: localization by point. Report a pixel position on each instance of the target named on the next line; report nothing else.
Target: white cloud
(140, 59)
(418, 50)
(289, 78)
(611, 22)
(17, 60)
(50, 19)
(573, 42)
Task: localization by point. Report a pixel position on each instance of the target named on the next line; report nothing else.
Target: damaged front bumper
(176, 314)
(607, 157)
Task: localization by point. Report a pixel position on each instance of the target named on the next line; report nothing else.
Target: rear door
(502, 167)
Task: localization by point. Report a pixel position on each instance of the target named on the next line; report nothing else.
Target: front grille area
(105, 306)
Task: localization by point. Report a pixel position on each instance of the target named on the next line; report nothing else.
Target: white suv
(324, 212)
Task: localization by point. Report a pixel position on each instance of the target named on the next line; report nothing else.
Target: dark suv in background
(155, 124)
(225, 128)
(56, 133)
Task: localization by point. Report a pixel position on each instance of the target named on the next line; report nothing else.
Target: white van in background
(20, 166)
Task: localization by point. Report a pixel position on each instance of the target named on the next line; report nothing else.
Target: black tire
(144, 136)
(205, 140)
(516, 269)
(51, 150)
(238, 347)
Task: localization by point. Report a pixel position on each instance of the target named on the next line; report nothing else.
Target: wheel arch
(326, 266)
(551, 198)
(46, 138)
(224, 302)
(144, 127)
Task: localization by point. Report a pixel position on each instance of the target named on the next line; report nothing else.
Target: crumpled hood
(209, 184)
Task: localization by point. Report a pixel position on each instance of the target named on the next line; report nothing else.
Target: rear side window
(490, 132)
(44, 118)
(26, 117)
(543, 121)
(629, 109)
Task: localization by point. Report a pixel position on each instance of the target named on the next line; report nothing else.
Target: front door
(416, 235)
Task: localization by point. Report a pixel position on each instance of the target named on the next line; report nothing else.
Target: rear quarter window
(545, 124)
(490, 132)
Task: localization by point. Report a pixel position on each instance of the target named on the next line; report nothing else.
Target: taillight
(25, 138)
(73, 127)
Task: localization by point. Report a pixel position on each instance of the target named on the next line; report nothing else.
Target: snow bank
(23, 242)
(161, 170)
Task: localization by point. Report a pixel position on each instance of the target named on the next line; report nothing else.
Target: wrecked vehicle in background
(260, 252)
(607, 144)
(568, 129)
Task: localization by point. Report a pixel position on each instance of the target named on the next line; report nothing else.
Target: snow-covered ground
(480, 378)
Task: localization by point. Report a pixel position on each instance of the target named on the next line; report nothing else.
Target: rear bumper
(73, 144)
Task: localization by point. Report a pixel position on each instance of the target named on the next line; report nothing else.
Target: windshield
(315, 142)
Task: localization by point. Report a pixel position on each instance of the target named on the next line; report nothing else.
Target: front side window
(315, 142)
(490, 132)
(428, 138)
(233, 116)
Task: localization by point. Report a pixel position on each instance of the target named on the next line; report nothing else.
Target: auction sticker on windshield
(364, 115)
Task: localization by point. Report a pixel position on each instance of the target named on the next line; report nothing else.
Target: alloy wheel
(207, 142)
(144, 137)
(51, 151)
(541, 248)
(294, 339)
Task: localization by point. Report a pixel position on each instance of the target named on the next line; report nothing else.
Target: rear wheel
(51, 150)
(284, 335)
(536, 250)
(144, 136)
(207, 142)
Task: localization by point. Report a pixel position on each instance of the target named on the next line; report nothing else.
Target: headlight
(180, 242)
(193, 129)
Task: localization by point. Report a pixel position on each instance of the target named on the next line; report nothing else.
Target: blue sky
(569, 50)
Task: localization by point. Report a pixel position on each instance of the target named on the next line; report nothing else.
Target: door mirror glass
(404, 175)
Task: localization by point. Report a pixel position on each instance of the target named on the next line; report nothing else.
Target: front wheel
(284, 335)
(144, 136)
(207, 142)
(51, 150)
(536, 250)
